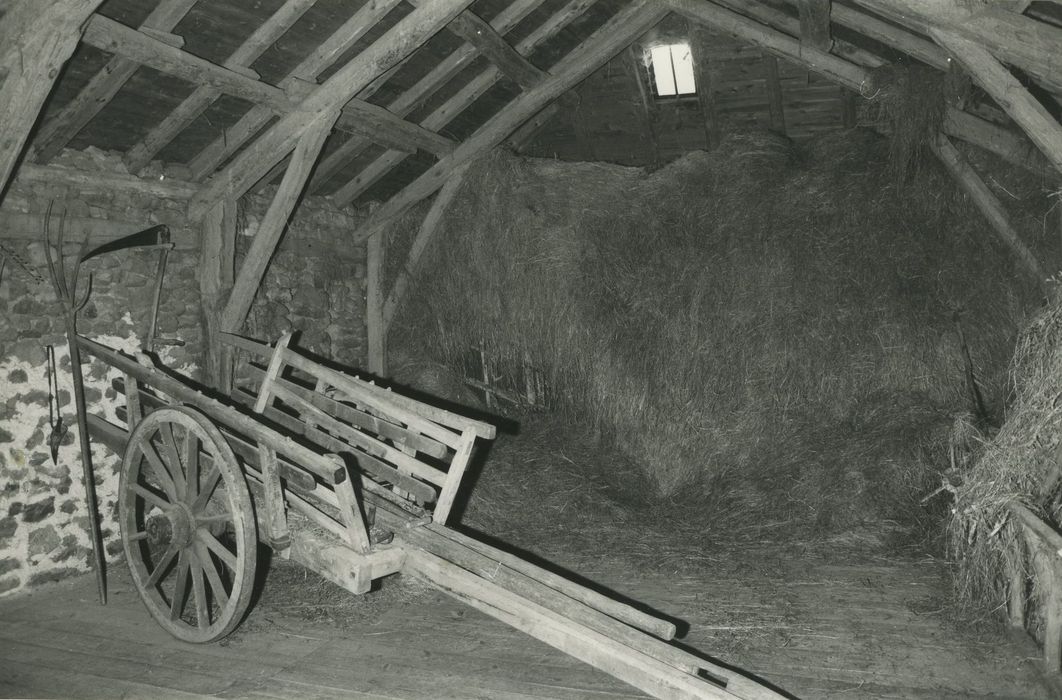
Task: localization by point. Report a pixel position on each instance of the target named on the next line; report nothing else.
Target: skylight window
(672, 69)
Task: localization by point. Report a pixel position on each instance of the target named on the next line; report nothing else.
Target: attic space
(423, 349)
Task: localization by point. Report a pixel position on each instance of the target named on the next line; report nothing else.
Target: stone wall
(315, 284)
(43, 520)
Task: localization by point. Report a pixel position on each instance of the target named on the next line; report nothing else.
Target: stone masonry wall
(43, 521)
(315, 284)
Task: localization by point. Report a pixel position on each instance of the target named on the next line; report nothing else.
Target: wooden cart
(354, 482)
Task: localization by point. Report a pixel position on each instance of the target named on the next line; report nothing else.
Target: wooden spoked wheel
(188, 527)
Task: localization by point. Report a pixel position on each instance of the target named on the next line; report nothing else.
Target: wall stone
(315, 284)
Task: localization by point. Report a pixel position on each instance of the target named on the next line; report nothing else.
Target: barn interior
(740, 318)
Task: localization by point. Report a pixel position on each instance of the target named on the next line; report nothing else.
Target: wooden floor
(816, 629)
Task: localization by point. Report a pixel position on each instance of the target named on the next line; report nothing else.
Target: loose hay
(765, 329)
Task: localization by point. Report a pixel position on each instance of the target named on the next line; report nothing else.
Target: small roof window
(672, 70)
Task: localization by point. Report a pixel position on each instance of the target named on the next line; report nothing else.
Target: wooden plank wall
(610, 122)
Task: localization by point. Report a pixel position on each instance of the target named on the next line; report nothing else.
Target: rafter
(957, 123)
(498, 51)
(195, 104)
(997, 80)
(424, 89)
(815, 23)
(358, 117)
(58, 131)
(398, 42)
(606, 42)
(1031, 45)
(44, 46)
(338, 43)
(446, 112)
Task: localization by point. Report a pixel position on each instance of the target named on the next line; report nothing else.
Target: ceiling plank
(1003, 142)
(460, 101)
(1026, 43)
(1001, 85)
(195, 104)
(424, 89)
(338, 43)
(61, 129)
(45, 45)
(275, 220)
(626, 26)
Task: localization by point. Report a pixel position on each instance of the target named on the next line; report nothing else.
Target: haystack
(770, 328)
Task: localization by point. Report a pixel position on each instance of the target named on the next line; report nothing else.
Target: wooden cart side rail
(366, 462)
(318, 465)
(630, 665)
(408, 410)
(358, 418)
(297, 478)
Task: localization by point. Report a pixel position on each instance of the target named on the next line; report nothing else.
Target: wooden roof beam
(257, 159)
(359, 117)
(196, 103)
(45, 35)
(626, 26)
(997, 80)
(498, 51)
(464, 97)
(424, 89)
(1023, 42)
(61, 129)
(338, 43)
(1003, 142)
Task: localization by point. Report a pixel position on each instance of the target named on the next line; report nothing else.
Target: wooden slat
(29, 73)
(366, 463)
(340, 41)
(460, 101)
(350, 513)
(422, 90)
(275, 220)
(1028, 112)
(195, 104)
(398, 42)
(364, 420)
(58, 131)
(616, 34)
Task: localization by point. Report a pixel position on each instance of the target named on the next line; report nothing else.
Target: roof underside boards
(453, 84)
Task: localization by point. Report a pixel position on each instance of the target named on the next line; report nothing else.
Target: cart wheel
(187, 525)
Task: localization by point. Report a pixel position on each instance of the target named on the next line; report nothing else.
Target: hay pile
(764, 329)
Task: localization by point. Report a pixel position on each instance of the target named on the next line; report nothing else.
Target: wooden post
(38, 39)
(774, 94)
(375, 326)
(815, 24)
(275, 221)
(978, 191)
(699, 43)
(216, 269)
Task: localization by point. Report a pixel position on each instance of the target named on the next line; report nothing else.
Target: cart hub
(174, 527)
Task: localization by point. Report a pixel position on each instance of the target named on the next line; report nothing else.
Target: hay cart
(352, 481)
